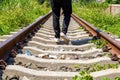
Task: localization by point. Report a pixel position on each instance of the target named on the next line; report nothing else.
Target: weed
(95, 14)
(19, 13)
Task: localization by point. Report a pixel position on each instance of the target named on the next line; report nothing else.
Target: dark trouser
(56, 6)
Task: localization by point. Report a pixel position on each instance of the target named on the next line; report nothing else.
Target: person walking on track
(56, 6)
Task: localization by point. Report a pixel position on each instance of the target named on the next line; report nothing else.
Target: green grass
(15, 14)
(85, 72)
(95, 14)
(99, 43)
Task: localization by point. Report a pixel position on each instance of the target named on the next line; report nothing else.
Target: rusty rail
(8, 45)
(113, 45)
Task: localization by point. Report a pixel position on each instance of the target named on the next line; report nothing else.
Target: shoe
(57, 40)
(64, 37)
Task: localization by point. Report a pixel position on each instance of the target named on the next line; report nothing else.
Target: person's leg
(55, 5)
(65, 23)
(67, 10)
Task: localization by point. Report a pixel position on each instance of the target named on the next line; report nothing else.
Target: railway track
(32, 54)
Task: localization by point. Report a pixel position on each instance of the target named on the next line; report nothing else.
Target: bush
(113, 1)
(19, 13)
(96, 15)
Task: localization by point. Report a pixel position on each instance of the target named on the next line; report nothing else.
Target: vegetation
(108, 1)
(105, 78)
(113, 1)
(95, 13)
(99, 43)
(89, 77)
(85, 72)
(83, 76)
(96, 67)
(15, 14)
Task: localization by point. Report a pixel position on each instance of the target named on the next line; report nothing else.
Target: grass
(15, 14)
(96, 67)
(99, 43)
(85, 72)
(95, 14)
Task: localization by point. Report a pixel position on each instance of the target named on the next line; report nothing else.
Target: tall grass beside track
(15, 14)
(95, 13)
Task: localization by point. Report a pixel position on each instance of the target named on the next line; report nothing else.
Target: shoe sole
(66, 40)
(57, 42)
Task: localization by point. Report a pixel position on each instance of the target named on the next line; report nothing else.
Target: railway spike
(114, 57)
(25, 40)
(33, 32)
(90, 34)
(30, 35)
(106, 48)
(20, 45)
(36, 29)
(3, 64)
(96, 37)
(13, 53)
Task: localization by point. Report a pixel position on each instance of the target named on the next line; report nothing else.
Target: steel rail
(8, 45)
(113, 46)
